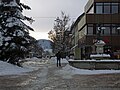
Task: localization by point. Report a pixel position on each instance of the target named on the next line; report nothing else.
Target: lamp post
(100, 43)
(118, 28)
(99, 32)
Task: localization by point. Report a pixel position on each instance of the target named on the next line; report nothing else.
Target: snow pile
(93, 60)
(74, 70)
(9, 69)
(68, 71)
(99, 55)
(30, 65)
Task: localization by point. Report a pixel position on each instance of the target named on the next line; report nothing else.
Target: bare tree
(61, 25)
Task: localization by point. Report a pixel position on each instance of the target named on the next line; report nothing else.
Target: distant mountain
(45, 44)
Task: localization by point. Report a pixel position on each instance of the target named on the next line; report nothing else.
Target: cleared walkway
(47, 78)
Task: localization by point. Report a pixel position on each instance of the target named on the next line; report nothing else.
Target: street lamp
(118, 28)
(100, 28)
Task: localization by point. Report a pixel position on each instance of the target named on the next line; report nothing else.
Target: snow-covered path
(46, 76)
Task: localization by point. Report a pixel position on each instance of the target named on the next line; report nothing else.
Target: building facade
(104, 14)
(75, 50)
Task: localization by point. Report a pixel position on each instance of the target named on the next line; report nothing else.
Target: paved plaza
(47, 78)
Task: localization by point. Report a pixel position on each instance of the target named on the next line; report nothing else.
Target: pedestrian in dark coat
(58, 55)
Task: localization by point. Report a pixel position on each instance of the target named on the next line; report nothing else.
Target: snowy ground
(68, 71)
(9, 69)
(35, 63)
(30, 65)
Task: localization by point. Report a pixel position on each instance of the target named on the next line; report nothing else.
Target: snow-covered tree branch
(14, 33)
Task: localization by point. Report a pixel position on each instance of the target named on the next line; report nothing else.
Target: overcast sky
(44, 13)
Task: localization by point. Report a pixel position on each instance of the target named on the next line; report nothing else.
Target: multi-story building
(75, 38)
(98, 12)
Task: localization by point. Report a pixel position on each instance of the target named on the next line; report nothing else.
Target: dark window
(115, 29)
(106, 8)
(119, 8)
(94, 29)
(114, 9)
(107, 31)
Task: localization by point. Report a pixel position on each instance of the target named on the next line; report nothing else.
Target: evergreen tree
(14, 33)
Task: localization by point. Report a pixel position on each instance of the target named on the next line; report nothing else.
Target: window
(107, 8)
(107, 31)
(99, 9)
(114, 31)
(114, 9)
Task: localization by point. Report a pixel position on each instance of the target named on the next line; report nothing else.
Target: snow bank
(93, 60)
(9, 69)
(30, 65)
(99, 55)
(74, 70)
(68, 71)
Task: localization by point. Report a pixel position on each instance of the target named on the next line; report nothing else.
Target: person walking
(58, 55)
